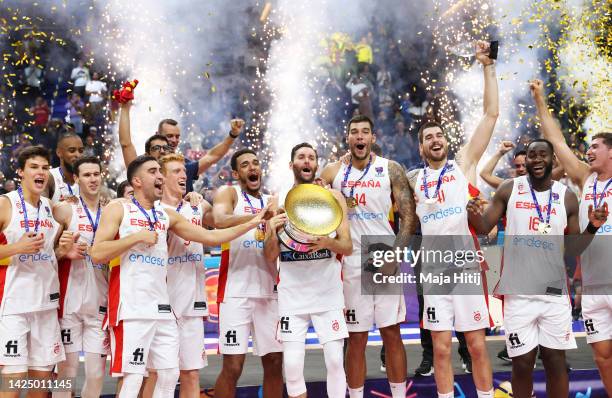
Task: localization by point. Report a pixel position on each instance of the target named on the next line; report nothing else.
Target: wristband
(590, 228)
(234, 136)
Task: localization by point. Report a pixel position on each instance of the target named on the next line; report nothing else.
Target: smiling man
(247, 282)
(62, 185)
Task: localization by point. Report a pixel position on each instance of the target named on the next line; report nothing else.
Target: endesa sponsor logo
(147, 259)
(531, 205)
(532, 241)
(441, 214)
(432, 184)
(364, 215)
(361, 184)
(135, 222)
(605, 229)
(34, 258)
(41, 224)
(252, 244)
(185, 258)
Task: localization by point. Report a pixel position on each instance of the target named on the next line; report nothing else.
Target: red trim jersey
(28, 282)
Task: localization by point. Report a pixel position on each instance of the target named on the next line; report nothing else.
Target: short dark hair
(376, 149)
(522, 152)
(66, 136)
(237, 154)
(136, 164)
(535, 141)
(84, 160)
(171, 122)
(153, 138)
(605, 137)
(300, 146)
(359, 119)
(426, 125)
(122, 187)
(32, 152)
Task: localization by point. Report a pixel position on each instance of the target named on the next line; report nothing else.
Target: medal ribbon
(346, 175)
(65, 182)
(537, 205)
(143, 211)
(438, 185)
(25, 212)
(94, 226)
(603, 193)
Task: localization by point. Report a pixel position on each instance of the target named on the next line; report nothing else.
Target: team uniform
(83, 294)
(372, 191)
(596, 271)
(537, 309)
(187, 290)
(29, 291)
(246, 292)
(62, 190)
(143, 329)
(467, 309)
(310, 290)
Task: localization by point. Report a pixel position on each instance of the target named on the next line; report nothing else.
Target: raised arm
(125, 137)
(483, 222)
(487, 171)
(470, 154)
(577, 170)
(329, 172)
(215, 153)
(186, 230)
(223, 209)
(105, 246)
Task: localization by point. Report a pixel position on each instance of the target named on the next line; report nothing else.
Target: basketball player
(62, 185)
(537, 309)
(29, 329)
(442, 191)
(133, 234)
(186, 275)
(310, 289)
(367, 184)
(246, 294)
(595, 182)
(83, 284)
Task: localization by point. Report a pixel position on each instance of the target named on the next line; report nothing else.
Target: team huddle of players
(127, 278)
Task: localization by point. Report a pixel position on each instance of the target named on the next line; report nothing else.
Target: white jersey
(83, 284)
(62, 190)
(137, 287)
(372, 192)
(186, 272)
(28, 282)
(533, 262)
(447, 215)
(309, 283)
(595, 260)
(244, 271)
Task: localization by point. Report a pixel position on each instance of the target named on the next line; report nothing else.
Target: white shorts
(597, 315)
(192, 352)
(31, 339)
(83, 332)
(463, 312)
(241, 317)
(363, 311)
(329, 326)
(530, 322)
(138, 344)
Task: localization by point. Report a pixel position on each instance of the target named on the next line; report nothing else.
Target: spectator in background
(96, 90)
(124, 190)
(90, 147)
(80, 77)
(364, 51)
(41, 112)
(33, 78)
(360, 96)
(75, 112)
(9, 186)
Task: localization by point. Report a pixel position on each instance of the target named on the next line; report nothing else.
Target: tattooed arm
(404, 199)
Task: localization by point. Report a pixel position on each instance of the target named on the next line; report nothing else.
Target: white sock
(485, 394)
(447, 395)
(398, 390)
(356, 392)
